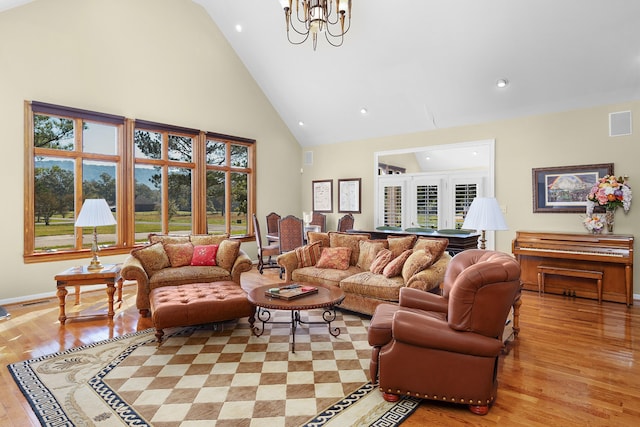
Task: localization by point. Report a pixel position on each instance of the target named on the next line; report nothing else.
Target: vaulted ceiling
(417, 65)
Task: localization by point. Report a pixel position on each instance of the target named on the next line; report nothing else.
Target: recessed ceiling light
(239, 28)
(300, 123)
(363, 111)
(502, 83)
(428, 158)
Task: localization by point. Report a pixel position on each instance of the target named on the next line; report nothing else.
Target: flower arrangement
(610, 192)
(594, 223)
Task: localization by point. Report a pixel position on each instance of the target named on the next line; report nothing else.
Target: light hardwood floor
(575, 363)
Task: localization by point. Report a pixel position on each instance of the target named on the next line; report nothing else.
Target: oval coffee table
(327, 297)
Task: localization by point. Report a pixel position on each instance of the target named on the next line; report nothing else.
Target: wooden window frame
(125, 179)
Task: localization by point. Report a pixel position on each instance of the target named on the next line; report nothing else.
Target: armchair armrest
(415, 298)
(436, 334)
(132, 270)
(288, 261)
(242, 263)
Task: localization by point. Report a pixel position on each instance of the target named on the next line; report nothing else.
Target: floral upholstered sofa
(368, 271)
(183, 259)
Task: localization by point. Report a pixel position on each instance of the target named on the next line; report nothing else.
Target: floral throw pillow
(179, 254)
(397, 245)
(434, 246)
(152, 257)
(336, 258)
(394, 268)
(308, 255)
(368, 252)
(381, 261)
(228, 253)
(417, 261)
(204, 255)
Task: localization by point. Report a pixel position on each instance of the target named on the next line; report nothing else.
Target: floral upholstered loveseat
(368, 271)
(177, 260)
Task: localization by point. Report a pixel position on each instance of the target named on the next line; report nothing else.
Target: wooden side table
(78, 276)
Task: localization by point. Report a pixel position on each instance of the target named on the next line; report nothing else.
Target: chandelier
(318, 16)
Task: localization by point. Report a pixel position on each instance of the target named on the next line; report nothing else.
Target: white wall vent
(308, 158)
(620, 123)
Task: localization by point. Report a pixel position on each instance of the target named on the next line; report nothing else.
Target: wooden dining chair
(268, 251)
(319, 219)
(346, 223)
(272, 227)
(290, 234)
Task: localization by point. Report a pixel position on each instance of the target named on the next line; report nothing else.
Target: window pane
(427, 206)
(239, 156)
(147, 201)
(465, 193)
(53, 132)
(148, 145)
(216, 153)
(180, 148)
(53, 204)
(99, 138)
(239, 203)
(215, 202)
(180, 200)
(99, 182)
(393, 206)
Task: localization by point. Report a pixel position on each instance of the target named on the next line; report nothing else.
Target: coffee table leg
(62, 295)
(295, 320)
(329, 316)
(263, 315)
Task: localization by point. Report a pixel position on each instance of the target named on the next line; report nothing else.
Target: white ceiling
(418, 65)
(423, 64)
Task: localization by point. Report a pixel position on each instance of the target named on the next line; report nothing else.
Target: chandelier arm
(339, 34)
(306, 36)
(326, 35)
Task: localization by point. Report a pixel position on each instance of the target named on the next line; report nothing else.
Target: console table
(457, 242)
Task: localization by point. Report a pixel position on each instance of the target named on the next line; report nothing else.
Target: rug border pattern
(43, 402)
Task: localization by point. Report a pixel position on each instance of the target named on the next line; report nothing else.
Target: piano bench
(569, 272)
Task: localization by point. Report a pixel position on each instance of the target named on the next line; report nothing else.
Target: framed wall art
(322, 195)
(564, 189)
(349, 196)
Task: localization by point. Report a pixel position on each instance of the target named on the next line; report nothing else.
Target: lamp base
(95, 264)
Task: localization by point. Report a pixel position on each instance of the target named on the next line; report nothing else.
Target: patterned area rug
(217, 374)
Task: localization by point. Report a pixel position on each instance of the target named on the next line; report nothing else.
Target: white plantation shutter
(426, 206)
(464, 195)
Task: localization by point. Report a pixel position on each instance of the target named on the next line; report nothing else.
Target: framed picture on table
(349, 195)
(322, 195)
(565, 188)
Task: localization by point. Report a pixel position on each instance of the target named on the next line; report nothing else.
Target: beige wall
(577, 137)
(165, 60)
(159, 60)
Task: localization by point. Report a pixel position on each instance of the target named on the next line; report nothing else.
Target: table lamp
(94, 213)
(484, 214)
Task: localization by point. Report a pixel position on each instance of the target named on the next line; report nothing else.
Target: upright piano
(611, 254)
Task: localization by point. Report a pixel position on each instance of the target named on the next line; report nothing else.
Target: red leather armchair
(447, 347)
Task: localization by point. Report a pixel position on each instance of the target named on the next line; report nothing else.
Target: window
(173, 180)
(436, 186)
(228, 183)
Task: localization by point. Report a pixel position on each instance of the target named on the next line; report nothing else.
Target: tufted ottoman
(198, 303)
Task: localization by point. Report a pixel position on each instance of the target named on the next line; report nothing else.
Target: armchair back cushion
(490, 281)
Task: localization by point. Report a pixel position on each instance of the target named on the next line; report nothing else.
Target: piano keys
(611, 254)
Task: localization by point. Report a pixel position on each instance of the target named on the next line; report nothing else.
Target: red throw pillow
(337, 258)
(380, 262)
(204, 255)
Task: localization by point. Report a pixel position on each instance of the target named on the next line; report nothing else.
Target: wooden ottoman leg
(159, 335)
